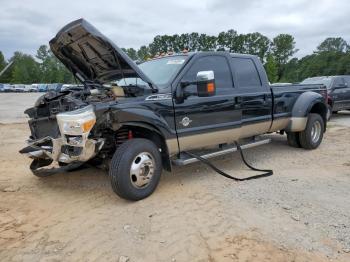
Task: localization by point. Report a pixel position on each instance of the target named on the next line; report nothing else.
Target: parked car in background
(19, 88)
(30, 88)
(54, 87)
(8, 88)
(1, 87)
(35, 88)
(66, 87)
(338, 91)
(51, 87)
(42, 87)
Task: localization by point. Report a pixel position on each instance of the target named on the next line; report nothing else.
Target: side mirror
(205, 83)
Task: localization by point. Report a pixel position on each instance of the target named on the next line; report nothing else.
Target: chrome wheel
(142, 170)
(316, 131)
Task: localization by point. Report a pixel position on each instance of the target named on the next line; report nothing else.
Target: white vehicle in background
(66, 87)
(30, 88)
(34, 88)
(19, 88)
(8, 88)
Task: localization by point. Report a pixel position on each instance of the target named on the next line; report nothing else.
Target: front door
(208, 121)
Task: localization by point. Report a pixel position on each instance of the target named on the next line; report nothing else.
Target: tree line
(331, 57)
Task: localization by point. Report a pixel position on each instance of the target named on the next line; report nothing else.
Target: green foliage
(271, 69)
(131, 52)
(333, 44)
(25, 69)
(143, 53)
(318, 64)
(256, 44)
(2, 61)
(282, 48)
(331, 57)
(52, 70)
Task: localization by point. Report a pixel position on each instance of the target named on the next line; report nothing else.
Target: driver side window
(217, 64)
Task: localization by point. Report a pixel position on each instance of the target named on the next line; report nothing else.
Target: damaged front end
(63, 124)
(59, 138)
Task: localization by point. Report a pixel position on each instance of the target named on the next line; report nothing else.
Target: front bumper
(47, 150)
(64, 152)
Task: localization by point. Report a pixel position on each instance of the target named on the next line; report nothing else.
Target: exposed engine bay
(64, 126)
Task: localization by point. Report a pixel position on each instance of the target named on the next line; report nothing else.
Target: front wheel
(312, 136)
(135, 169)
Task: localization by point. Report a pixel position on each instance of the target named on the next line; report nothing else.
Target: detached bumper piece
(51, 156)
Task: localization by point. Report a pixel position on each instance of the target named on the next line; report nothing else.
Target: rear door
(339, 93)
(208, 121)
(253, 95)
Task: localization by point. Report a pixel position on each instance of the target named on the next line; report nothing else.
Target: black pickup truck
(338, 89)
(138, 119)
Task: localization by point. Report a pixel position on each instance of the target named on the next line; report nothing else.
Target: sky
(27, 24)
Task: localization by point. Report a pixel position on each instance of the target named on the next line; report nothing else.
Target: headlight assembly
(76, 122)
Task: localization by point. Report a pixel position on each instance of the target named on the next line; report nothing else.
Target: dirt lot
(300, 214)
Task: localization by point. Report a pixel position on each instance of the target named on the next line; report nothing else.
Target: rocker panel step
(190, 160)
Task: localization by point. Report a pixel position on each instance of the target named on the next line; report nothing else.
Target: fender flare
(144, 125)
(165, 144)
(306, 103)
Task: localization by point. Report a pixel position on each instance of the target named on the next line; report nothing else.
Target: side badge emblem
(185, 121)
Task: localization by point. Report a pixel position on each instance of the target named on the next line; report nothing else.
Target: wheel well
(154, 136)
(320, 109)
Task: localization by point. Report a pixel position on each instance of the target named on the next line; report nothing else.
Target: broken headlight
(76, 122)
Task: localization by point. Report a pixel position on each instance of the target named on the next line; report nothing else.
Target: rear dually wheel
(312, 136)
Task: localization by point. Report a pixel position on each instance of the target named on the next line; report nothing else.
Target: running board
(190, 160)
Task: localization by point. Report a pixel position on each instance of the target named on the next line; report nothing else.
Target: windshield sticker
(176, 62)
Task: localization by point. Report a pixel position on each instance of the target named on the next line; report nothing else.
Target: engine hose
(267, 172)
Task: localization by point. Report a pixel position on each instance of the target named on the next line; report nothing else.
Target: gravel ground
(299, 214)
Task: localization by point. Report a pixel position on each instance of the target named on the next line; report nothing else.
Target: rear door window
(246, 72)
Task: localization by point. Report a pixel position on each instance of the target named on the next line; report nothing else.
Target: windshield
(161, 70)
(318, 80)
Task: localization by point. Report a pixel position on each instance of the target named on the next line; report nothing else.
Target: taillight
(130, 135)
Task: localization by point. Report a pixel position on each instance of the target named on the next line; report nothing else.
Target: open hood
(91, 56)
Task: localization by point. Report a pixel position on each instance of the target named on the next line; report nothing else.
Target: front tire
(312, 136)
(135, 169)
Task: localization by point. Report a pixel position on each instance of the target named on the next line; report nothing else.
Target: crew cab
(136, 120)
(338, 88)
